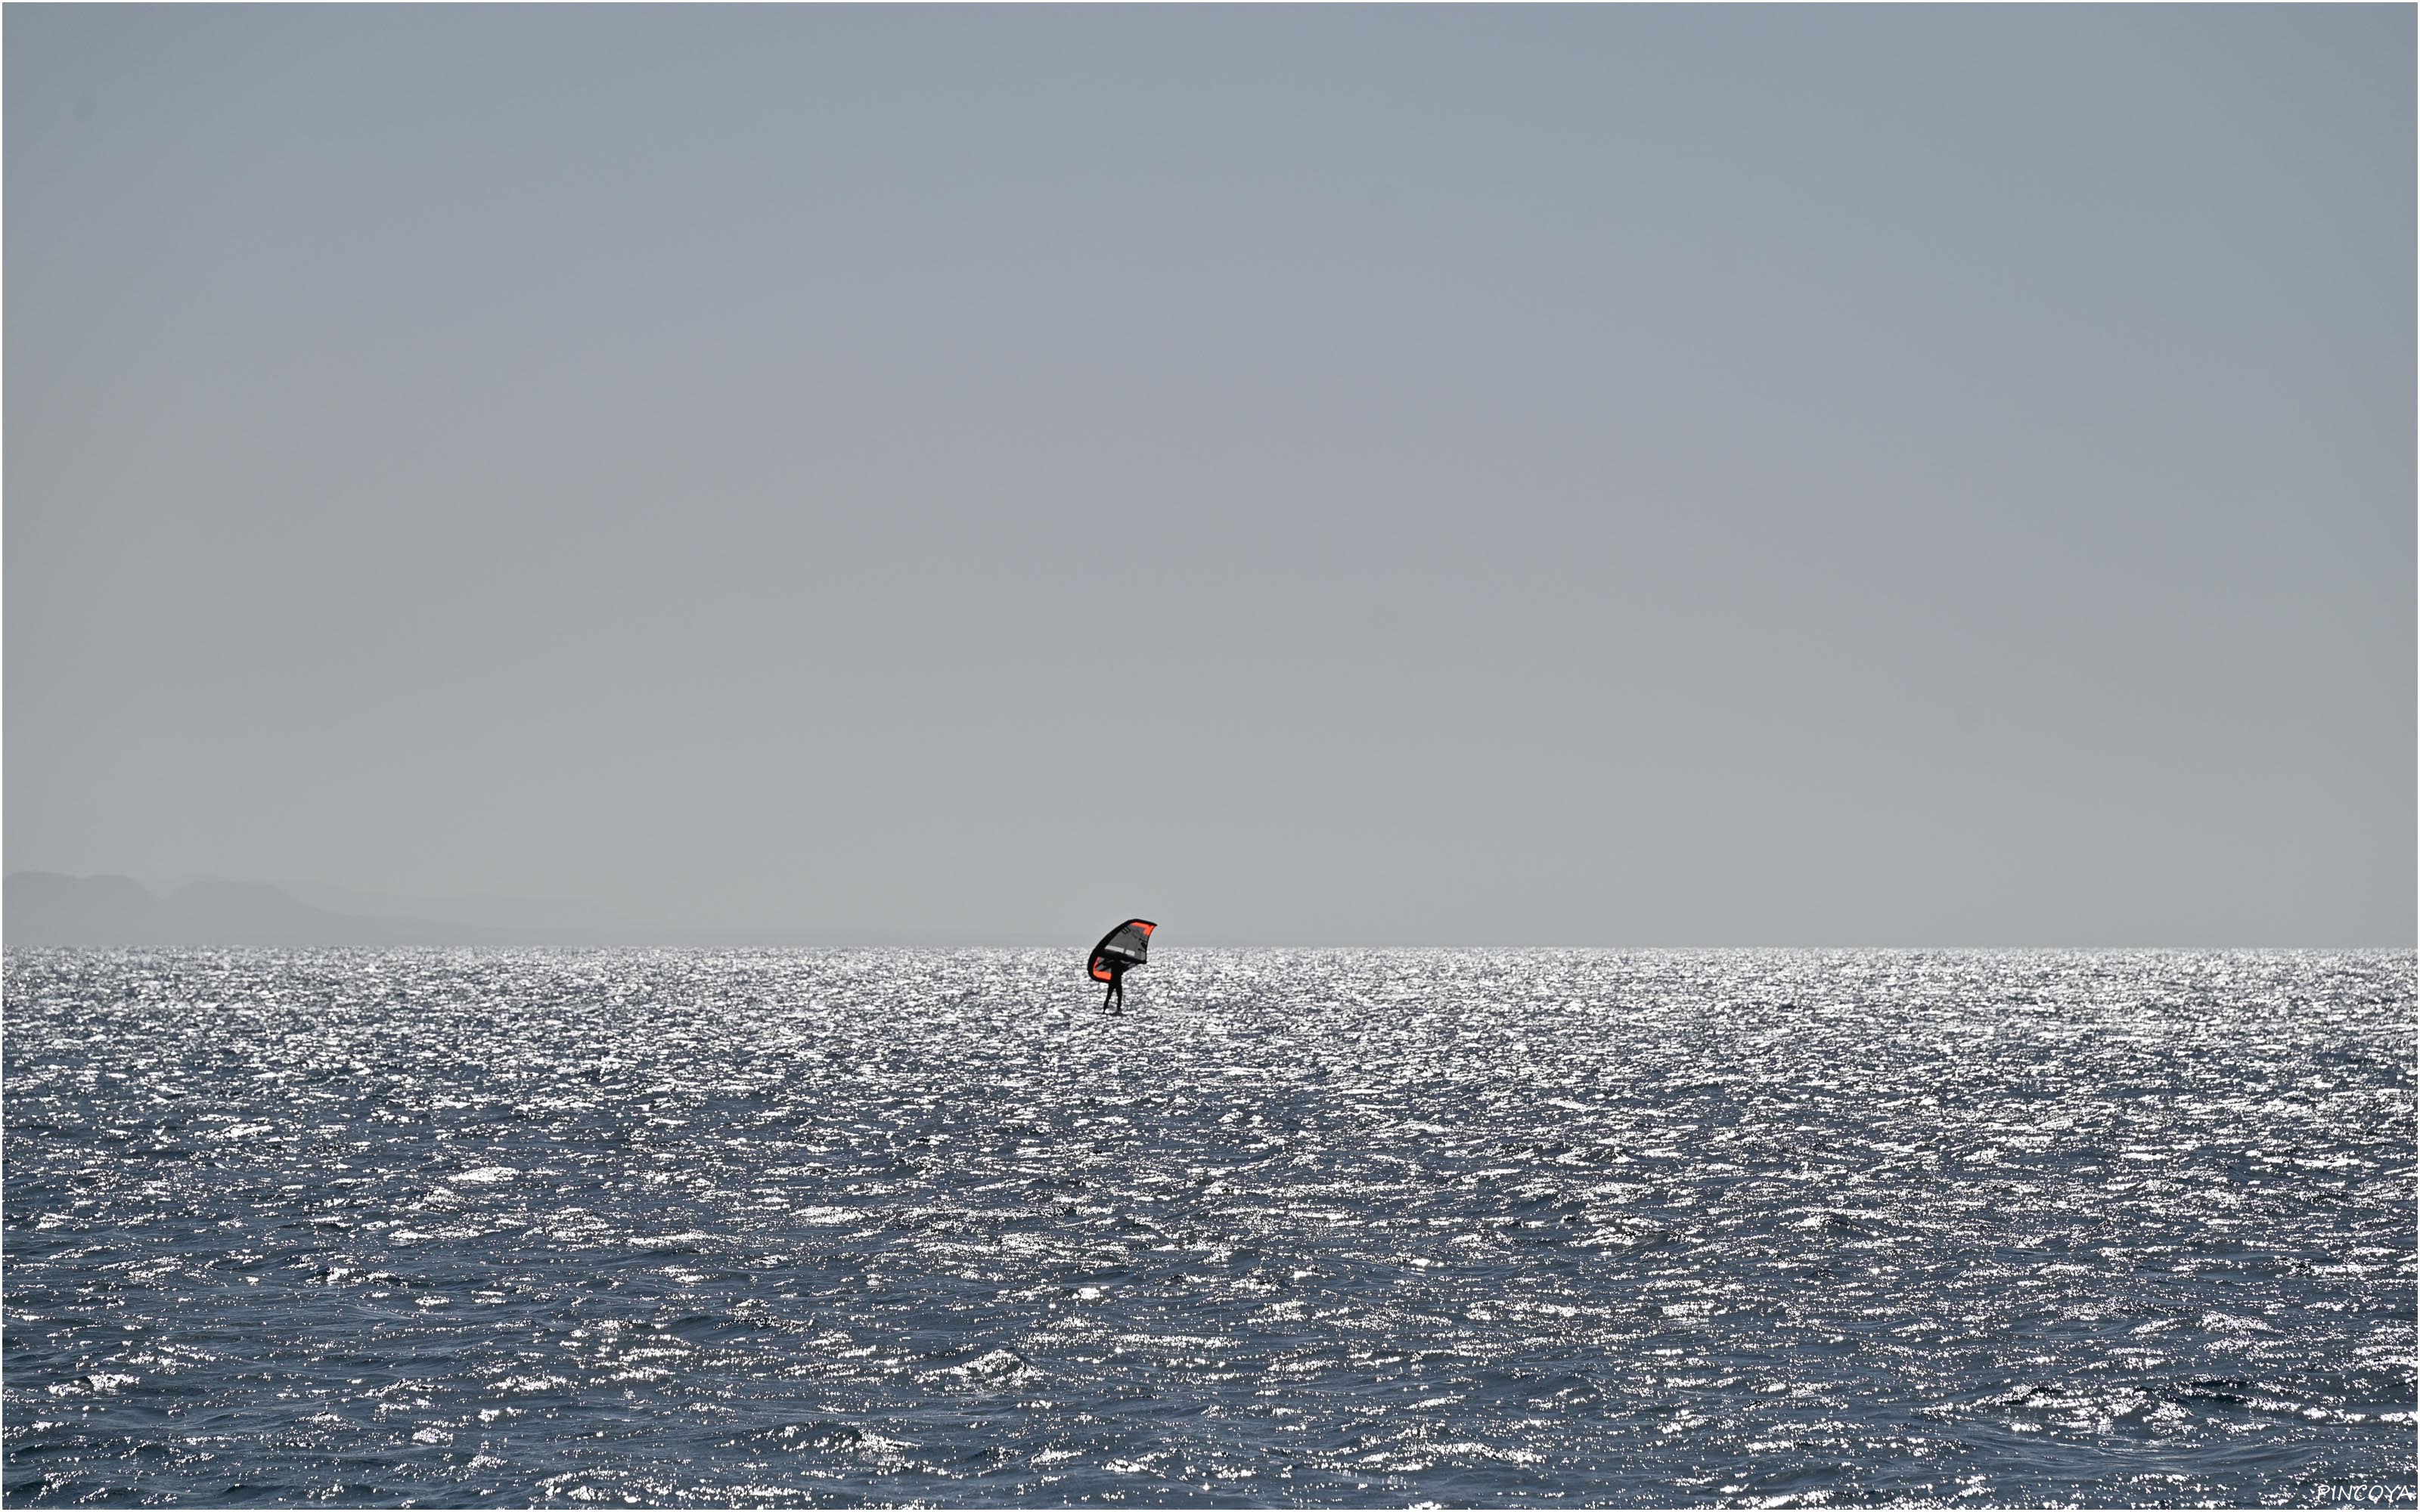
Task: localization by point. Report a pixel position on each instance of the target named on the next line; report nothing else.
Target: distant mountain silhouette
(46, 909)
(50, 908)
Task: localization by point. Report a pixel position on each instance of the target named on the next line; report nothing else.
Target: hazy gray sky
(1566, 475)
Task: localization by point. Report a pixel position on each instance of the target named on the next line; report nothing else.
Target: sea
(1395, 1228)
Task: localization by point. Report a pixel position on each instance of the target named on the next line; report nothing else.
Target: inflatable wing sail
(1129, 943)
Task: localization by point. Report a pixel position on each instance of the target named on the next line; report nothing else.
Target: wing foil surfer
(1120, 951)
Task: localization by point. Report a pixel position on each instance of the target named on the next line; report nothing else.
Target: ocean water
(1349, 1228)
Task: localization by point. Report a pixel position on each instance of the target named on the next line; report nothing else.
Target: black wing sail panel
(1128, 944)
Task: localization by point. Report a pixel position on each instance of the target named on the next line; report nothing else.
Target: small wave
(1342, 1227)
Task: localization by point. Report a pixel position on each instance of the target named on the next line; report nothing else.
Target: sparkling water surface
(1342, 1227)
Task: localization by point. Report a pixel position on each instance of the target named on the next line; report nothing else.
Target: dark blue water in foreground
(1350, 1228)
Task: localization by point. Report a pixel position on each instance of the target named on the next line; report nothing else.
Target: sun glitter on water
(1365, 1228)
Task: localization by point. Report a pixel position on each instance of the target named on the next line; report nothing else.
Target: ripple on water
(1344, 1227)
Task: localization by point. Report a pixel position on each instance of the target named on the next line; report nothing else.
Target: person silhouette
(1114, 1000)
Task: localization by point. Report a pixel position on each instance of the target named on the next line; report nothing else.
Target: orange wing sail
(1129, 944)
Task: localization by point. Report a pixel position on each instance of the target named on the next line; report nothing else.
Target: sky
(1595, 476)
